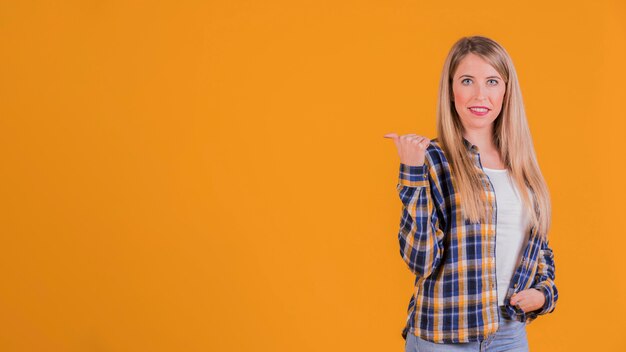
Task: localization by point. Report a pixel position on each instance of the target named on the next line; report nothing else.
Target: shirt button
(515, 285)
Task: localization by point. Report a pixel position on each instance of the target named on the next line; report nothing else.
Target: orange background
(212, 176)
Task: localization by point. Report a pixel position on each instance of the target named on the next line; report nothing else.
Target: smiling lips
(479, 111)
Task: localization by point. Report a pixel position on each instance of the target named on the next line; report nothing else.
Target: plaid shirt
(455, 297)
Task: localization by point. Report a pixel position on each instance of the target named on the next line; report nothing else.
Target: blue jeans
(510, 337)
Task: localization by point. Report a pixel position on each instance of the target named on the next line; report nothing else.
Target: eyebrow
(474, 77)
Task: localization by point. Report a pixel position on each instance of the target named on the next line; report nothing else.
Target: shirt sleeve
(421, 240)
(544, 279)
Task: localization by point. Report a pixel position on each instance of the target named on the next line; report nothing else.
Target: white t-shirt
(511, 234)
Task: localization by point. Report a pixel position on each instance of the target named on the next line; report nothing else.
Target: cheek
(500, 97)
(497, 99)
(460, 101)
(457, 93)
(458, 104)
(459, 97)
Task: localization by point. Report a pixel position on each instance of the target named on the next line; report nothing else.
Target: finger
(515, 299)
(416, 140)
(408, 137)
(394, 137)
(418, 137)
(519, 300)
(413, 138)
(525, 308)
(421, 142)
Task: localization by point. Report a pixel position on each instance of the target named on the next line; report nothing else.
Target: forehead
(476, 66)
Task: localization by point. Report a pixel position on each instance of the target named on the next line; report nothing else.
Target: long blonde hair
(510, 134)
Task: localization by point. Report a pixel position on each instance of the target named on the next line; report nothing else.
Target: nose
(480, 92)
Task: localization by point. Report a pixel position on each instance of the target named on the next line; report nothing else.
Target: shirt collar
(470, 147)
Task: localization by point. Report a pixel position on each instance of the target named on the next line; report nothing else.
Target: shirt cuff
(413, 176)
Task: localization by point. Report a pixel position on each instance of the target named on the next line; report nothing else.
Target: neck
(483, 139)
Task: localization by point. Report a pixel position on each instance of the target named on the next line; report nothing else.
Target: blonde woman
(475, 212)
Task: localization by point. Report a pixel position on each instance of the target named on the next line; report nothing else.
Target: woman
(477, 244)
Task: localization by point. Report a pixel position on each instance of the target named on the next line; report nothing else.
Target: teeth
(479, 109)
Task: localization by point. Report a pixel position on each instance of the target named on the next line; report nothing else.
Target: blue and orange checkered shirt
(455, 297)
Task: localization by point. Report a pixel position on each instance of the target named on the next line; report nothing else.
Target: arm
(421, 240)
(544, 279)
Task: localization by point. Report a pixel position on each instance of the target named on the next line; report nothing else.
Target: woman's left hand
(529, 299)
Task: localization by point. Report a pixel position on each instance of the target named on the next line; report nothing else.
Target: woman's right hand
(411, 148)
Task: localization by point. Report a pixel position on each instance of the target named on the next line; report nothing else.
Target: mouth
(479, 111)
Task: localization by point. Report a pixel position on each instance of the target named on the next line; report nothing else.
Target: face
(477, 84)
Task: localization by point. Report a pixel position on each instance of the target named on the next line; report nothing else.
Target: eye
(467, 79)
(495, 80)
